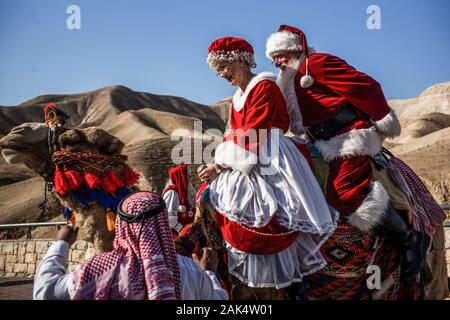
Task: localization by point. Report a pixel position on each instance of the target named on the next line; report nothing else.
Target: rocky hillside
(425, 140)
(145, 122)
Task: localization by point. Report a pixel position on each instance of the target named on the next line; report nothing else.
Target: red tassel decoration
(115, 179)
(74, 179)
(92, 180)
(62, 186)
(108, 185)
(131, 177)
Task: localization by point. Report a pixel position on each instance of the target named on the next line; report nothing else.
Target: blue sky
(160, 46)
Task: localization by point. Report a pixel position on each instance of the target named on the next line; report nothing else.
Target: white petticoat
(293, 195)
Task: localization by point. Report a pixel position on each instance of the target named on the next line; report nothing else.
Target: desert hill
(144, 122)
(425, 140)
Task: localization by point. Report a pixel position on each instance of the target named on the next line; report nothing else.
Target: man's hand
(209, 172)
(67, 234)
(209, 260)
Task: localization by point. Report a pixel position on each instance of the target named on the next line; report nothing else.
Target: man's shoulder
(320, 58)
(188, 263)
(170, 189)
(319, 62)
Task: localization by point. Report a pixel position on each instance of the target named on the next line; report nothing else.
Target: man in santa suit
(344, 112)
(270, 209)
(179, 196)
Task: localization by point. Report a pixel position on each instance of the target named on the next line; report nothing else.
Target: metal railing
(29, 226)
(445, 207)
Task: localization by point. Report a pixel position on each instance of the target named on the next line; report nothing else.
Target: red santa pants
(348, 183)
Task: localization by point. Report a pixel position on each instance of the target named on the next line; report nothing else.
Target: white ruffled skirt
(281, 184)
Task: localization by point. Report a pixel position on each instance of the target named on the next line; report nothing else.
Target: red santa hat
(230, 49)
(179, 177)
(289, 39)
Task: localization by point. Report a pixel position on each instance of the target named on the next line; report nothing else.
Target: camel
(27, 144)
(346, 274)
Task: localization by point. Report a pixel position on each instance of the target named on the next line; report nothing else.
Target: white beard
(285, 81)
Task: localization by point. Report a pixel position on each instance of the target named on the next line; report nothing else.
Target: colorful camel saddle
(351, 256)
(350, 253)
(93, 178)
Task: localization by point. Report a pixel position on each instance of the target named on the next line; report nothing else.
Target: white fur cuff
(357, 142)
(229, 154)
(389, 126)
(372, 210)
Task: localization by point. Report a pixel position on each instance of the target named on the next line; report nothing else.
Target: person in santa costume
(345, 114)
(269, 207)
(179, 196)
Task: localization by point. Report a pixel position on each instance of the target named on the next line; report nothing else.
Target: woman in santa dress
(271, 211)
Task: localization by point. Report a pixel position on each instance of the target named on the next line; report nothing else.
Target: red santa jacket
(261, 106)
(337, 84)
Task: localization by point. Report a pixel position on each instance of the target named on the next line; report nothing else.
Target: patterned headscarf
(143, 264)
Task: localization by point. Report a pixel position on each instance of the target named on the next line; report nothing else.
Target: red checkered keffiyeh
(427, 214)
(137, 268)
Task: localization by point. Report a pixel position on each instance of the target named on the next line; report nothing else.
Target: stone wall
(19, 258)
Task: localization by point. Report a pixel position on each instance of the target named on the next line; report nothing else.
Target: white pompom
(306, 81)
(181, 208)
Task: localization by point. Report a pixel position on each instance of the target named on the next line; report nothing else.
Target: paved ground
(16, 288)
(22, 289)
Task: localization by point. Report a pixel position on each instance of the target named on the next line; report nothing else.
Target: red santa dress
(268, 192)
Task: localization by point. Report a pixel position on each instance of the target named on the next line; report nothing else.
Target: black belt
(328, 129)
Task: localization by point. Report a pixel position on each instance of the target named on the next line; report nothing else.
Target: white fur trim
(285, 82)
(229, 56)
(282, 41)
(229, 154)
(240, 97)
(306, 81)
(372, 210)
(389, 126)
(357, 142)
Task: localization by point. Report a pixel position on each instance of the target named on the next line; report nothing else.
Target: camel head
(27, 144)
(90, 139)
